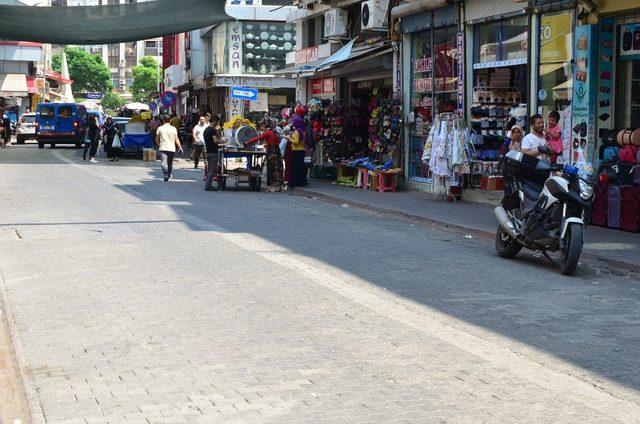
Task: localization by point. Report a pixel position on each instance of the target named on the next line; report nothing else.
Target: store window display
(265, 46)
(421, 103)
(630, 92)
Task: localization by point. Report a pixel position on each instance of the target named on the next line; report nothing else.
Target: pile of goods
(617, 199)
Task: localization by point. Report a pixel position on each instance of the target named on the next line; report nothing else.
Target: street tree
(145, 79)
(112, 101)
(88, 72)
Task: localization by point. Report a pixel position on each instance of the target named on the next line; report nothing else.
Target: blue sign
(93, 96)
(153, 106)
(168, 98)
(584, 94)
(244, 93)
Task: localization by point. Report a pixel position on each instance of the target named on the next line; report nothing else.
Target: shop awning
(56, 76)
(356, 54)
(83, 25)
(13, 85)
(547, 68)
(295, 70)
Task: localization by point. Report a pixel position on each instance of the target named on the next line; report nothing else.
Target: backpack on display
(636, 175)
(630, 209)
(611, 154)
(614, 195)
(599, 206)
(627, 154)
(625, 173)
(627, 40)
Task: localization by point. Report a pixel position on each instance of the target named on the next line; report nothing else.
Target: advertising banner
(555, 38)
(584, 94)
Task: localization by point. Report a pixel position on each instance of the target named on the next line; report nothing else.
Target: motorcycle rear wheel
(506, 247)
(573, 241)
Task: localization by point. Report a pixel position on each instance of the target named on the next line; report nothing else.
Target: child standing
(553, 134)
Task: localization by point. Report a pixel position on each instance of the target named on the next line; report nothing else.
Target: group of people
(540, 135)
(110, 135)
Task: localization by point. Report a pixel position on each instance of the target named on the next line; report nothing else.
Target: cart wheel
(222, 183)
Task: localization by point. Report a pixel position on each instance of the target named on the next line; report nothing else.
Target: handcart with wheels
(249, 172)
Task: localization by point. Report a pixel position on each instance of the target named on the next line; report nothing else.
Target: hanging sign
(234, 35)
(168, 98)
(93, 96)
(460, 64)
(244, 93)
(584, 94)
(306, 55)
(555, 38)
(153, 106)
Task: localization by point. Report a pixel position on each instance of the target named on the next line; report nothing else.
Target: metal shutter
(482, 9)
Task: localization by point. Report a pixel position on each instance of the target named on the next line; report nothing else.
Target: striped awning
(13, 85)
(83, 25)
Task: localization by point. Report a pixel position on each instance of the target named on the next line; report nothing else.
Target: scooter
(543, 209)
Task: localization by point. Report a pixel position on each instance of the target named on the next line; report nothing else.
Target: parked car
(26, 129)
(61, 123)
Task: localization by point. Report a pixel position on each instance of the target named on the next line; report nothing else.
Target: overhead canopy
(107, 24)
(13, 85)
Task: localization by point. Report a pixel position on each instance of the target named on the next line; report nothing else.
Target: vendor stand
(237, 132)
(251, 174)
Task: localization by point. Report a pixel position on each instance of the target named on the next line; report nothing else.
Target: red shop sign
(323, 86)
(316, 86)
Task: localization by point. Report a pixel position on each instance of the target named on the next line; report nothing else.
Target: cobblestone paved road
(139, 301)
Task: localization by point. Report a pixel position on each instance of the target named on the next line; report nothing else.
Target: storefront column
(532, 64)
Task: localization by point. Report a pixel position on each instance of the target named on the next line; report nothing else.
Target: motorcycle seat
(531, 191)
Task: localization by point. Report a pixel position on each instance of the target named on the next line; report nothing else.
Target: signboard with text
(306, 55)
(584, 94)
(555, 37)
(323, 86)
(244, 93)
(234, 35)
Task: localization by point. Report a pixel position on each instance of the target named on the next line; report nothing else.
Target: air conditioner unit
(335, 23)
(373, 15)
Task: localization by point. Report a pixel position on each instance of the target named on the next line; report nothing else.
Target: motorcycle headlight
(586, 189)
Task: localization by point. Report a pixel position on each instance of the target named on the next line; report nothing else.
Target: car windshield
(30, 119)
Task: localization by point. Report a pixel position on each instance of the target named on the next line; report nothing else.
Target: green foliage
(146, 77)
(112, 101)
(88, 72)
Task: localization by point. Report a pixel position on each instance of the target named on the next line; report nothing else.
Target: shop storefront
(616, 114)
(432, 79)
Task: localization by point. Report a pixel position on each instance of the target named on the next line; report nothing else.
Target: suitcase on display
(614, 195)
(625, 173)
(630, 209)
(599, 206)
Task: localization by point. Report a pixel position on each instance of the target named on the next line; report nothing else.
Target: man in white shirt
(198, 141)
(535, 138)
(167, 140)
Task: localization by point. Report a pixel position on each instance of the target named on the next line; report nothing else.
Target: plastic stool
(384, 184)
(363, 178)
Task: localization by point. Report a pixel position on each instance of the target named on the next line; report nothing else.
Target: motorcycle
(543, 209)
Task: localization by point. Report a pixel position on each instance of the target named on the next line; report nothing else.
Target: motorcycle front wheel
(573, 241)
(506, 246)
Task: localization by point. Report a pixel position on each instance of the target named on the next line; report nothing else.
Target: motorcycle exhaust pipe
(505, 222)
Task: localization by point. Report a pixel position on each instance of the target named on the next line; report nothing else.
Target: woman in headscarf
(298, 145)
(274, 158)
(109, 131)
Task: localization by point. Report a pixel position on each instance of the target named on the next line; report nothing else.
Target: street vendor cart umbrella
(108, 24)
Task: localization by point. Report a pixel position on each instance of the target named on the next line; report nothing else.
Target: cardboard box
(149, 155)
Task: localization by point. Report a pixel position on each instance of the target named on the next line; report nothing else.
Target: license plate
(46, 127)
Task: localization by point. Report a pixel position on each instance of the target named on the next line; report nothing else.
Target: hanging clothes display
(446, 153)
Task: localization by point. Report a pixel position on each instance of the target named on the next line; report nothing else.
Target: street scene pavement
(134, 300)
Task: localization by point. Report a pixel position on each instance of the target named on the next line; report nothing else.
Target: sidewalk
(618, 249)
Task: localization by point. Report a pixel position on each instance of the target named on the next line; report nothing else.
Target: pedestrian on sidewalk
(274, 157)
(7, 131)
(197, 148)
(153, 126)
(298, 146)
(2, 144)
(167, 142)
(93, 141)
(213, 140)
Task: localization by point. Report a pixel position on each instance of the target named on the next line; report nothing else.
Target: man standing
(154, 124)
(198, 141)
(212, 138)
(167, 140)
(535, 138)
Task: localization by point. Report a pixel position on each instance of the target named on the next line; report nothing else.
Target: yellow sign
(555, 38)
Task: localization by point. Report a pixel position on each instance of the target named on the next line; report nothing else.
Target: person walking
(197, 148)
(213, 139)
(274, 157)
(109, 130)
(167, 141)
(93, 141)
(2, 144)
(298, 145)
(153, 126)
(7, 131)
(116, 143)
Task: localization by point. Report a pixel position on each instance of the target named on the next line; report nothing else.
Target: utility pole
(44, 65)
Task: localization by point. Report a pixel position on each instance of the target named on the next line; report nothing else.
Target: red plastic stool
(386, 182)
(363, 178)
